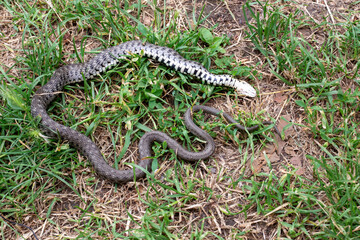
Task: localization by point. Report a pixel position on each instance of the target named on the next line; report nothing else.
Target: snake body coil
(77, 72)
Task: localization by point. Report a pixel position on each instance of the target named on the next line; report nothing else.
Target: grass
(49, 186)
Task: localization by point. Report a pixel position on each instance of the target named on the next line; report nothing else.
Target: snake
(103, 61)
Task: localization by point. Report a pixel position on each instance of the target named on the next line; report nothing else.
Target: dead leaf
(274, 158)
(257, 164)
(297, 163)
(289, 150)
(280, 97)
(283, 122)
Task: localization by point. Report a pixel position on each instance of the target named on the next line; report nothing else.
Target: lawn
(301, 56)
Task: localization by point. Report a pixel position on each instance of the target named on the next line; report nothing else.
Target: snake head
(245, 89)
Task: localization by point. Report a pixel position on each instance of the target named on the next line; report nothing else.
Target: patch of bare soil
(10, 43)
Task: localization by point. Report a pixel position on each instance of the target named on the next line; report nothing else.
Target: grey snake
(101, 62)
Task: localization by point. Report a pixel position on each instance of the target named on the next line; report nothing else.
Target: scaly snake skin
(101, 62)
